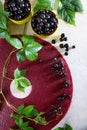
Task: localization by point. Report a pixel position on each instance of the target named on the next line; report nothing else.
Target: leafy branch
(29, 113)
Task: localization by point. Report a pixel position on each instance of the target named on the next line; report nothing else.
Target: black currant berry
(44, 22)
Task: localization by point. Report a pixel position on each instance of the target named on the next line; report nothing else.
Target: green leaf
(19, 121)
(15, 42)
(25, 124)
(3, 33)
(20, 109)
(44, 4)
(60, 128)
(20, 81)
(2, 11)
(27, 110)
(24, 82)
(33, 113)
(30, 43)
(27, 39)
(77, 5)
(28, 128)
(67, 10)
(31, 47)
(67, 15)
(1, 6)
(19, 73)
(68, 127)
(3, 22)
(31, 55)
(21, 55)
(22, 89)
(40, 119)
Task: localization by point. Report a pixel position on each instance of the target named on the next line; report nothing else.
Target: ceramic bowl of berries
(19, 10)
(44, 22)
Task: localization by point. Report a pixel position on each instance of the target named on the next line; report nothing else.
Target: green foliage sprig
(30, 114)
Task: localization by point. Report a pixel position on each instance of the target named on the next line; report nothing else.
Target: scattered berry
(66, 45)
(62, 35)
(73, 47)
(53, 41)
(61, 39)
(66, 53)
(66, 49)
(61, 46)
(65, 39)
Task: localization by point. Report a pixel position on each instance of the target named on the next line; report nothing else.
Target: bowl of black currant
(44, 22)
(19, 10)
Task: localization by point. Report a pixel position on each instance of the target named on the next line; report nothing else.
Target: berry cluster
(18, 9)
(64, 46)
(44, 22)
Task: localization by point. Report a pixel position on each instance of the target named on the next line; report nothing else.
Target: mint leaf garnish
(20, 81)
